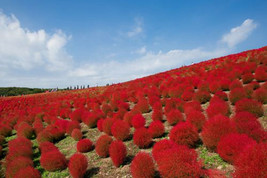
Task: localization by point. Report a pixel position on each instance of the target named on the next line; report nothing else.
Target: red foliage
(214, 87)
(100, 125)
(47, 147)
(179, 162)
(71, 126)
(218, 107)
(237, 94)
(252, 162)
(16, 165)
(138, 121)
(261, 74)
(53, 161)
(174, 116)
(24, 130)
(184, 134)
(142, 138)
(202, 96)
(156, 129)
(117, 152)
(251, 106)
(38, 126)
(102, 145)
(107, 124)
(120, 130)
(157, 115)
(235, 84)
(28, 172)
(78, 165)
(187, 95)
(214, 129)
(192, 105)
(162, 145)
(196, 118)
(84, 145)
(142, 106)
(142, 166)
(76, 115)
(5, 130)
(247, 78)
(260, 95)
(76, 134)
(231, 145)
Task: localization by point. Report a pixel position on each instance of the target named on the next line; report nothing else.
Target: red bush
(260, 74)
(78, 165)
(214, 87)
(76, 115)
(251, 106)
(187, 95)
(142, 106)
(138, 121)
(157, 115)
(84, 145)
(156, 129)
(231, 145)
(76, 134)
(102, 145)
(174, 116)
(219, 107)
(16, 165)
(192, 105)
(47, 147)
(235, 84)
(28, 172)
(24, 130)
(222, 95)
(179, 162)
(120, 130)
(214, 129)
(162, 145)
(196, 118)
(53, 161)
(142, 166)
(202, 96)
(184, 134)
(247, 123)
(237, 94)
(142, 138)
(100, 125)
(117, 152)
(44, 136)
(38, 126)
(71, 126)
(252, 162)
(260, 95)
(107, 124)
(5, 130)
(247, 78)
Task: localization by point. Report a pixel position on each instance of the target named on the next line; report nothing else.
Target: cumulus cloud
(24, 49)
(138, 28)
(240, 33)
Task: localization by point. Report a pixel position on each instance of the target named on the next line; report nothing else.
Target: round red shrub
(45, 147)
(252, 162)
(184, 134)
(5, 130)
(260, 74)
(219, 107)
(161, 146)
(53, 161)
(235, 84)
(214, 129)
(120, 130)
(214, 87)
(117, 152)
(76, 134)
(25, 130)
(174, 116)
(17, 165)
(84, 145)
(187, 95)
(71, 126)
(100, 125)
(156, 129)
(192, 105)
(107, 124)
(102, 145)
(251, 106)
(260, 95)
(247, 78)
(231, 145)
(78, 165)
(237, 94)
(222, 95)
(28, 172)
(142, 138)
(138, 121)
(179, 162)
(44, 136)
(143, 106)
(142, 166)
(202, 96)
(196, 118)
(157, 115)
(76, 115)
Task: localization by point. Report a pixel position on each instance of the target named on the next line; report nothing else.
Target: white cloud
(24, 49)
(141, 50)
(239, 33)
(138, 28)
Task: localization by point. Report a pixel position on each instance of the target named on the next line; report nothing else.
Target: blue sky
(57, 43)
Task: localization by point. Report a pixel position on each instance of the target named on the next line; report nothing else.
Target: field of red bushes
(204, 120)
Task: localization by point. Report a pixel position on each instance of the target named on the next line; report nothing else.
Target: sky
(56, 43)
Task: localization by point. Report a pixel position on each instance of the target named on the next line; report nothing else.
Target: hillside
(204, 120)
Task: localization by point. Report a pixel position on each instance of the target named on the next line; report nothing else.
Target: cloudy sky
(57, 43)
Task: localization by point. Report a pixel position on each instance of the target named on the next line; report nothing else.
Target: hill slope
(204, 106)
